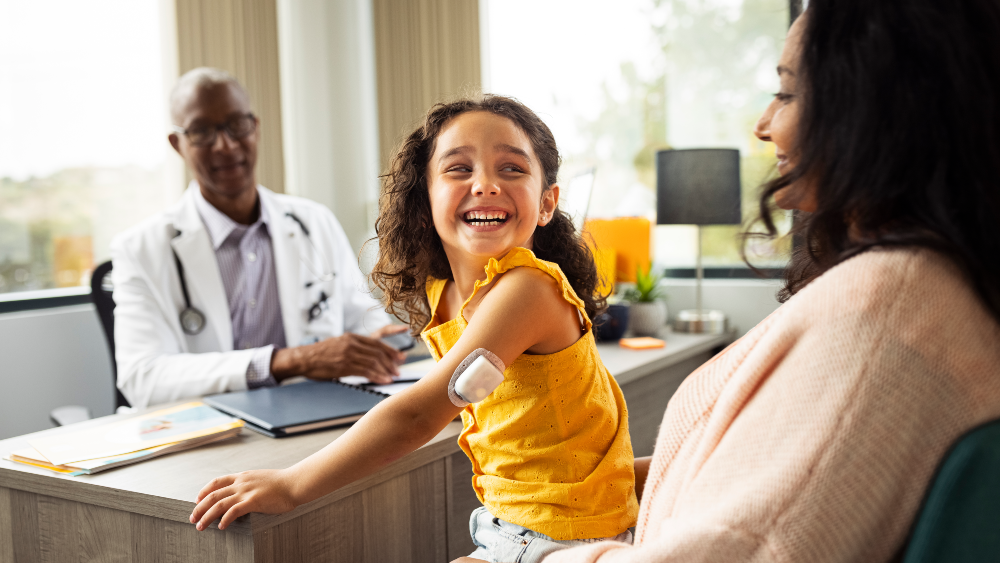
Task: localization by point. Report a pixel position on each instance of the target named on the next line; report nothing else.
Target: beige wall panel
(426, 51)
(241, 37)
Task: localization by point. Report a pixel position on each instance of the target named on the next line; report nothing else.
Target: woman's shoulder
(883, 276)
(898, 288)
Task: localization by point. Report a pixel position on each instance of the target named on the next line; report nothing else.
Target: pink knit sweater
(814, 437)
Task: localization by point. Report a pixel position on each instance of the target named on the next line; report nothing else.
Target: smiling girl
(475, 253)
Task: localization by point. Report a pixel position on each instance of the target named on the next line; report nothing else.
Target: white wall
(49, 359)
(745, 302)
(329, 107)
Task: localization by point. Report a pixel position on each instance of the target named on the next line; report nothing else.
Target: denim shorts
(499, 541)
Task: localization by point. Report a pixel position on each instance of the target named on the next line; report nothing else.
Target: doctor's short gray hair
(195, 79)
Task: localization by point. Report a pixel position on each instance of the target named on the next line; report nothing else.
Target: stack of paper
(408, 375)
(129, 441)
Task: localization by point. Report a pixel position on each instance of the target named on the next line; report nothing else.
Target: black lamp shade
(698, 187)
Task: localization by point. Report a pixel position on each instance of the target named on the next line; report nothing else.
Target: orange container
(628, 237)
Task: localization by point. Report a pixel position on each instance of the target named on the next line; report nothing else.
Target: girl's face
(780, 122)
(486, 187)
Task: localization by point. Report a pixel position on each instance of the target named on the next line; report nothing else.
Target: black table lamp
(698, 187)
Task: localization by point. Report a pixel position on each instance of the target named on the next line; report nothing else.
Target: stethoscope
(193, 321)
(316, 309)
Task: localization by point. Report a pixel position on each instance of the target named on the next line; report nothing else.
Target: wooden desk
(416, 509)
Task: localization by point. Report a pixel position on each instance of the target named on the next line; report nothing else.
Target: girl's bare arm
(517, 314)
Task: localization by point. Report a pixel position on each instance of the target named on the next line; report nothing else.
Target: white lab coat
(158, 362)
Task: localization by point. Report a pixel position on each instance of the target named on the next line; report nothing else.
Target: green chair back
(960, 519)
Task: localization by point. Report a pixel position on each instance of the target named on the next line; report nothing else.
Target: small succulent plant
(647, 287)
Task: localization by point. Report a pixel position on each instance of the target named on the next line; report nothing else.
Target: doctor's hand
(348, 354)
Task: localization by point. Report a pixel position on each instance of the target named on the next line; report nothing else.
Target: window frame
(44, 299)
(725, 273)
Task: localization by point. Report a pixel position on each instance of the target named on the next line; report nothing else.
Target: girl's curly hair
(409, 249)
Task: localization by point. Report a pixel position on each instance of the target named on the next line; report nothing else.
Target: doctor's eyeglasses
(236, 127)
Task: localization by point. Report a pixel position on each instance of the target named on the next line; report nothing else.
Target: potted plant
(648, 312)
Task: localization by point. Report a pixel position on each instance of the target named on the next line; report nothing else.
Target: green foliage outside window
(711, 79)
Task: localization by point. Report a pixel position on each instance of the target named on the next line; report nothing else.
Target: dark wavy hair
(409, 249)
(899, 136)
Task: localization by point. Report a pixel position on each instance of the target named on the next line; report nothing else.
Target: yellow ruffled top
(550, 447)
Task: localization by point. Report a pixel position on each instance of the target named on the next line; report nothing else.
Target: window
(617, 81)
(83, 124)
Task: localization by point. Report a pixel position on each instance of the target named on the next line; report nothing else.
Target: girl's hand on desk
(227, 498)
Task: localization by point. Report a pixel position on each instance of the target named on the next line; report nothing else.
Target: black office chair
(100, 294)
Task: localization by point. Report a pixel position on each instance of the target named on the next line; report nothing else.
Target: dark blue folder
(301, 407)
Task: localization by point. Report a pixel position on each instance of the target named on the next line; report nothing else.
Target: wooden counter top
(166, 487)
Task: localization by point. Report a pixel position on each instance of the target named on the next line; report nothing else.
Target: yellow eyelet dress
(550, 447)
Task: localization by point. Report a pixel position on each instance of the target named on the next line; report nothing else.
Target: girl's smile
(486, 218)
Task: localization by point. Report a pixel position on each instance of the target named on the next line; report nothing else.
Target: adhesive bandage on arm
(475, 378)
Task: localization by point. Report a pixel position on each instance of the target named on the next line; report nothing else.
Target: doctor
(235, 286)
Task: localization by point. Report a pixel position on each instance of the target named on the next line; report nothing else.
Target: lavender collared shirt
(246, 263)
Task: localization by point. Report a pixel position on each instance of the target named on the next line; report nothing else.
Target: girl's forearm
(392, 428)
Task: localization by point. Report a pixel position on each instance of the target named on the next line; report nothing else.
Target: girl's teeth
(490, 217)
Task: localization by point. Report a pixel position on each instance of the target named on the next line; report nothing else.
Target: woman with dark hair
(815, 436)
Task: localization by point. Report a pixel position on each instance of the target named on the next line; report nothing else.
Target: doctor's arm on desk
(154, 367)
(348, 354)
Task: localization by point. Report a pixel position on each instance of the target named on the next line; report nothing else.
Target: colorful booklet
(30, 456)
(178, 427)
